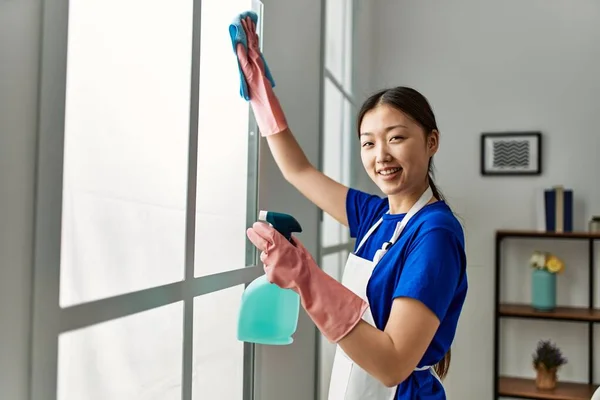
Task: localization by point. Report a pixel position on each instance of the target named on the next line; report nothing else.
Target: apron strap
(426, 367)
(423, 200)
(431, 370)
(370, 231)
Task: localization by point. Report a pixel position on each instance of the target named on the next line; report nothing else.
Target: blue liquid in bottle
(268, 313)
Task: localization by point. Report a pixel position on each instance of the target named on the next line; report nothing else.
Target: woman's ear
(433, 140)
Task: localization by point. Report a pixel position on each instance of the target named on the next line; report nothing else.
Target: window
(337, 151)
(141, 252)
(339, 41)
(126, 148)
(227, 152)
(123, 358)
(339, 108)
(339, 142)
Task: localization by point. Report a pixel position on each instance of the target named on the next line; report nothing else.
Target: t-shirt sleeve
(432, 270)
(360, 207)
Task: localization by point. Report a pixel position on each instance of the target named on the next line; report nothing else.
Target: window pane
(223, 146)
(135, 357)
(333, 264)
(338, 40)
(333, 131)
(331, 231)
(218, 356)
(350, 143)
(126, 144)
(334, 38)
(348, 44)
(336, 155)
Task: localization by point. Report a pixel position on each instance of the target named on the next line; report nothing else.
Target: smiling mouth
(389, 172)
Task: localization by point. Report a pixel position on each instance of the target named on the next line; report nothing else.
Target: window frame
(327, 75)
(350, 98)
(49, 320)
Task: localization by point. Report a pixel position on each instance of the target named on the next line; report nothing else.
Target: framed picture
(511, 153)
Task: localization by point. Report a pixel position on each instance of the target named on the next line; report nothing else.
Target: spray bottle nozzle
(283, 223)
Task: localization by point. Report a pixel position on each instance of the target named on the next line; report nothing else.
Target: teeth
(389, 171)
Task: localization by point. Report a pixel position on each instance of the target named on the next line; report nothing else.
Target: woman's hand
(283, 261)
(334, 309)
(265, 105)
(250, 60)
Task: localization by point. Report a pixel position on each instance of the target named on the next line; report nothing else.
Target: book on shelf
(555, 209)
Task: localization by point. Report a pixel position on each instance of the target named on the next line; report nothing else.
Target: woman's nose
(383, 154)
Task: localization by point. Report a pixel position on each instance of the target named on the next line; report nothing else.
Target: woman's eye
(365, 144)
(397, 138)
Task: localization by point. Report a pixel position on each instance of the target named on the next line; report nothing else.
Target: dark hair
(415, 105)
(412, 103)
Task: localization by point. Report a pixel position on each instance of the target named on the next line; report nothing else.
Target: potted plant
(543, 280)
(547, 359)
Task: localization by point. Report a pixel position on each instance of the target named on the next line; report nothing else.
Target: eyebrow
(389, 128)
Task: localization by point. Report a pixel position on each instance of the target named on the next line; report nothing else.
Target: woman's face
(395, 150)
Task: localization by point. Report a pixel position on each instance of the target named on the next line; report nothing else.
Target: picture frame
(511, 153)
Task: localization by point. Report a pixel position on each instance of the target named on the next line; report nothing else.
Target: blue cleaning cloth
(238, 35)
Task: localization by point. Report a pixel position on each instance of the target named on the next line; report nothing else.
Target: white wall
(294, 59)
(509, 65)
(295, 63)
(19, 46)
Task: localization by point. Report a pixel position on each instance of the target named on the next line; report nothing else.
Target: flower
(538, 259)
(554, 265)
(547, 261)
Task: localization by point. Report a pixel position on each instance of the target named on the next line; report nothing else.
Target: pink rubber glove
(334, 309)
(265, 105)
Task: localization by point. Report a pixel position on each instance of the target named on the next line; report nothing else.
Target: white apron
(348, 380)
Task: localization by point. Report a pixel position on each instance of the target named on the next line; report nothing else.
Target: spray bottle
(269, 314)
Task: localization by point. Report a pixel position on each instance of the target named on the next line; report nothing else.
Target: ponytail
(442, 367)
(436, 193)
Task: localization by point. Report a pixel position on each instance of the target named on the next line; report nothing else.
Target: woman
(394, 315)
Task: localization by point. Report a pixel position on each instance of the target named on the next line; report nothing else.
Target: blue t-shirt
(427, 263)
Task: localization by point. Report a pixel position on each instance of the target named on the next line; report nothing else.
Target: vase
(545, 378)
(543, 290)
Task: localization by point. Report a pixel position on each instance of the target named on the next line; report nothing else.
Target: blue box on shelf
(558, 209)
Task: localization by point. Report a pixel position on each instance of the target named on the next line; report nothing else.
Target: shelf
(521, 387)
(580, 314)
(543, 234)
(525, 389)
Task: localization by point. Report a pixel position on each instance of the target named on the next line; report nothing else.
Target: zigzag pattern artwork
(511, 153)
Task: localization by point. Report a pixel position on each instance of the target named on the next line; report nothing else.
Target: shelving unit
(516, 387)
